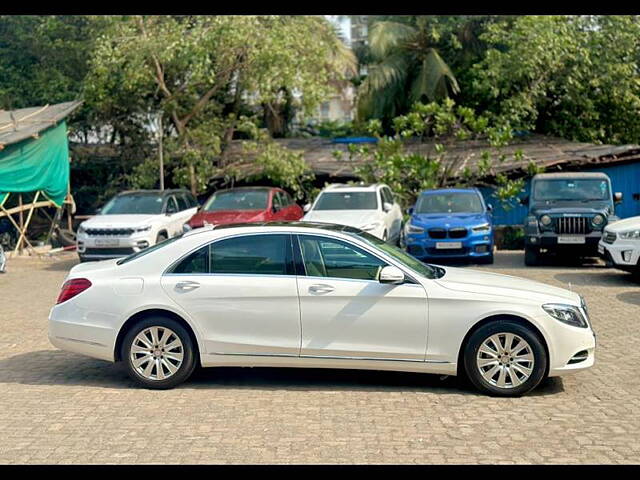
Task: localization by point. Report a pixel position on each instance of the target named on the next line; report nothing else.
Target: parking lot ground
(57, 407)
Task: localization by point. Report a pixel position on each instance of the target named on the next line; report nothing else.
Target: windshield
(449, 203)
(153, 248)
(237, 200)
(424, 269)
(134, 204)
(347, 201)
(581, 190)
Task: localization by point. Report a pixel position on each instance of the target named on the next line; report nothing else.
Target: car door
(279, 211)
(172, 216)
(394, 216)
(186, 209)
(347, 313)
(242, 294)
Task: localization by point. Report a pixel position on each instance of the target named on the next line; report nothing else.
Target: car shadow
(632, 298)
(604, 278)
(55, 367)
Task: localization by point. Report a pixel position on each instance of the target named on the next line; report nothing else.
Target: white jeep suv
(620, 244)
(134, 220)
(371, 208)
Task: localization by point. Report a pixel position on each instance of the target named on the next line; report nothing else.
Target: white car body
(378, 222)
(620, 244)
(113, 236)
(307, 321)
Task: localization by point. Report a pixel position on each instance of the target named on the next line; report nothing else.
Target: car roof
(266, 226)
(353, 188)
(449, 190)
(570, 175)
(154, 192)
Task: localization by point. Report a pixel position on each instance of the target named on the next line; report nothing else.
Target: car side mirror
(306, 208)
(386, 206)
(275, 208)
(98, 210)
(392, 275)
(410, 210)
(525, 200)
(489, 207)
(617, 197)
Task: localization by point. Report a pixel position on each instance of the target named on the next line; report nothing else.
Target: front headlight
(81, 228)
(411, 228)
(566, 314)
(485, 227)
(631, 234)
(371, 226)
(597, 220)
(143, 229)
(545, 220)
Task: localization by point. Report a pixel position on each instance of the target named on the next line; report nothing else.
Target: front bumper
(622, 254)
(106, 247)
(475, 245)
(552, 241)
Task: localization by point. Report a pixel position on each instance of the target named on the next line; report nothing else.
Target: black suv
(567, 213)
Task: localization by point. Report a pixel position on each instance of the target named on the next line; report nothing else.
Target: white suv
(620, 244)
(371, 208)
(132, 221)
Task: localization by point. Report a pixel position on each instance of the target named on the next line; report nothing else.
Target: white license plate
(448, 245)
(572, 239)
(107, 242)
(600, 249)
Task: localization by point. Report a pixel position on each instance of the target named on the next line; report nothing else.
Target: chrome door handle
(320, 288)
(188, 285)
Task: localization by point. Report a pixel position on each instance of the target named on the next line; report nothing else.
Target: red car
(247, 204)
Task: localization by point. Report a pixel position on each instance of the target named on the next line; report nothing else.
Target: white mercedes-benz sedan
(315, 295)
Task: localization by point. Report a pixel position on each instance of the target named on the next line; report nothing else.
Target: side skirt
(294, 361)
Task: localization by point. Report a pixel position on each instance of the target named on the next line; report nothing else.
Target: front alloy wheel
(158, 353)
(505, 358)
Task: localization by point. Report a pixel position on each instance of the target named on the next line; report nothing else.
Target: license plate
(448, 245)
(107, 242)
(572, 239)
(600, 249)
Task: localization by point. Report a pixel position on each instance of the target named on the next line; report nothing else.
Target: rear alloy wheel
(158, 353)
(505, 358)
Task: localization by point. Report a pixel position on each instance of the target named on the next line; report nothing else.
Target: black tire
(189, 353)
(531, 256)
(505, 326)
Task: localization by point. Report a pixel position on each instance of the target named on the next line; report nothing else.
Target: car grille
(108, 251)
(458, 232)
(114, 232)
(609, 237)
(439, 233)
(572, 225)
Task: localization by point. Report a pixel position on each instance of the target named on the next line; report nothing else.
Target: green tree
(433, 162)
(572, 76)
(201, 73)
(405, 67)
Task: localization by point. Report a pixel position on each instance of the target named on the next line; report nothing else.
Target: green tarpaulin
(37, 164)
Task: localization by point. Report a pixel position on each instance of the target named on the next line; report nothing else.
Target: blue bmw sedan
(452, 223)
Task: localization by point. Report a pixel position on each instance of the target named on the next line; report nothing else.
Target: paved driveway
(57, 407)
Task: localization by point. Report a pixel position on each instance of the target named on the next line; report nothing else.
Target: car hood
(560, 208)
(351, 218)
(448, 219)
(475, 281)
(624, 225)
(120, 221)
(222, 217)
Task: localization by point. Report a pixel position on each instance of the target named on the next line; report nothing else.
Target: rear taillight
(73, 287)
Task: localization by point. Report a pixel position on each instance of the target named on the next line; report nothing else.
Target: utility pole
(160, 151)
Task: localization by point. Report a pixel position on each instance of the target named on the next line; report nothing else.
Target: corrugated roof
(17, 125)
(544, 151)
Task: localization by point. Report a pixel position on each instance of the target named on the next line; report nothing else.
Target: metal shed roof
(18, 125)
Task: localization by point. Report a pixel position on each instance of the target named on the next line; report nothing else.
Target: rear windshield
(347, 201)
(581, 190)
(133, 203)
(153, 248)
(449, 203)
(237, 200)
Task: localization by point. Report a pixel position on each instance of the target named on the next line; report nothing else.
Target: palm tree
(406, 68)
